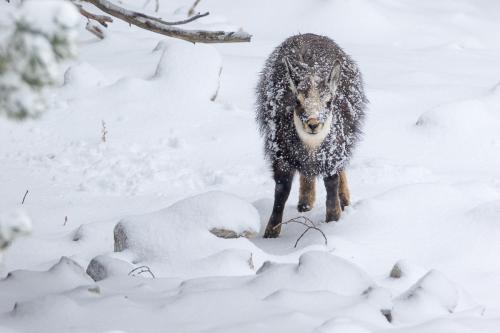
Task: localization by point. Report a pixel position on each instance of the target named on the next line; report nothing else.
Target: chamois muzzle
(313, 125)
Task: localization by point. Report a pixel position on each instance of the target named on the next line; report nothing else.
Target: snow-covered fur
(313, 58)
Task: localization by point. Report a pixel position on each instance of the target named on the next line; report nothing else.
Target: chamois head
(314, 94)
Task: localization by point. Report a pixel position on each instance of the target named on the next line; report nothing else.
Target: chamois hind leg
(283, 180)
(333, 209)
(344, 194)
(307, 193)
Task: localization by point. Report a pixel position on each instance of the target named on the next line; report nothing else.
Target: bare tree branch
(166, 28)
(102, 19)
(93, 28)
(191, 19)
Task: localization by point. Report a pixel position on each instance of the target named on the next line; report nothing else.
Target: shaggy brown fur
(344, 194)
(310, 108)
(307, 193)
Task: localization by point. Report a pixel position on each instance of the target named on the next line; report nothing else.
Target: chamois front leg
(344, 194)
(332, 198)
(283, 180)
(307, 193)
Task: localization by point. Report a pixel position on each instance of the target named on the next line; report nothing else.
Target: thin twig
(191, 19)
(95, 30)
(101, 19)
(24, 198)
(191, 10)
(157, 5)
(307, 223)
(141, 269)
(104, 131)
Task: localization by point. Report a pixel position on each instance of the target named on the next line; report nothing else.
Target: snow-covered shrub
(12, 225)
(41, 35)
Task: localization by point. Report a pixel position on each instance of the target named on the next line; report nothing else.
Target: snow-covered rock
(185, 237)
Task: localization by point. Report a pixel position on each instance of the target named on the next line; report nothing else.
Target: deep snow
(424, 180)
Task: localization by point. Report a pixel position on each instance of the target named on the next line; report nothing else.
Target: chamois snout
(313, 124)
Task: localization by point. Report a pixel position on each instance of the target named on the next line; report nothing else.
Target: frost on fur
(43, 35)
(276, 104)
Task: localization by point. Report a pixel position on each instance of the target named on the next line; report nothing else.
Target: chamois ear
(334, 77)
(291, 74)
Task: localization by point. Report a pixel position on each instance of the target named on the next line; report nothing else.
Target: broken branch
(167, 28)
(101, 19)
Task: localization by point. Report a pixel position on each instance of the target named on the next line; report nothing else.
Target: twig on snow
(104, 131)
(141, 269)
(157, 5)
(305, 221)
(24, 197)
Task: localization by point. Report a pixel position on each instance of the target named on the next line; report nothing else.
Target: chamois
(310, 108)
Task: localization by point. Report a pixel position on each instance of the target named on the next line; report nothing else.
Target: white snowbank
(432, 296)
(322, 293)
(83, 75)
(180, 240)
(467, 130)
(192, 69)
(22, 286)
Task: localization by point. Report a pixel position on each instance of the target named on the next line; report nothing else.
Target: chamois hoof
(332, 216)
(303, 207)
(344, 202)
(272, 231)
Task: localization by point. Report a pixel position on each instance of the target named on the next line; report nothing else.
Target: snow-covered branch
(101, 19)
(168, 28)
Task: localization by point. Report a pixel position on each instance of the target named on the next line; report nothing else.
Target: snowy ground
(424, 180)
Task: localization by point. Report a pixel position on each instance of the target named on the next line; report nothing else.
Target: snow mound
(486, 213)
(465, 117)
(321, 293)
(183, 238)
(185, 67)
(467, 131)
(83, 75)
(342, 325)
(316, 271)
(432, 296)
(23, 285)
